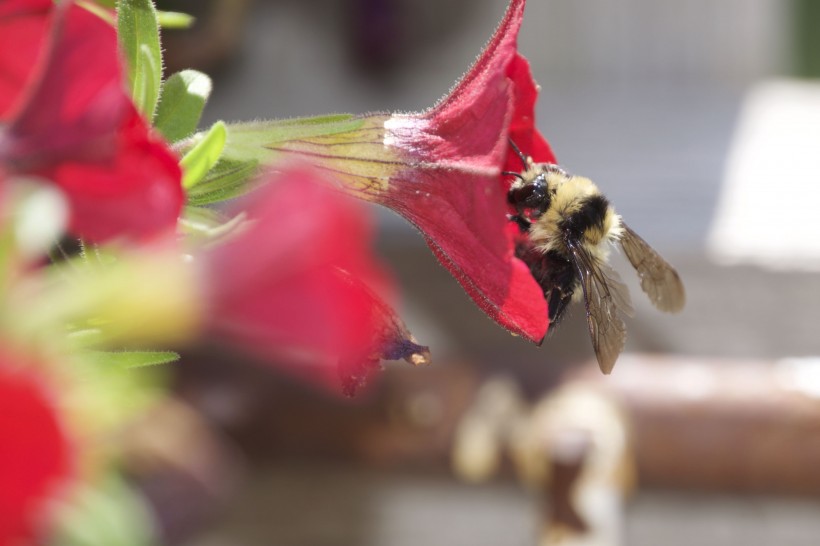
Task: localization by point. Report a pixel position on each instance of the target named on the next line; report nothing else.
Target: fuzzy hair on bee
(570, 227)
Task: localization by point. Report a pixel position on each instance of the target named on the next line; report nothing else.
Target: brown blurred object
(572, 446)
(182, 465)
(212, 40)
(729, 425)
(405, 417)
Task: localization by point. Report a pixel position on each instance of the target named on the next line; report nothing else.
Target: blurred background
(701, 122)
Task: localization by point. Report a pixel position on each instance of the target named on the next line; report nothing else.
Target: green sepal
(184, 95)
(138, 31)
(204, 155)
(133, 359)
(259, 140)
(361, 153)
(175, 19)
(227, 180)
(296, 128)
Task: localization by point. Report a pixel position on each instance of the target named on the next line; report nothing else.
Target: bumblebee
(569, 226)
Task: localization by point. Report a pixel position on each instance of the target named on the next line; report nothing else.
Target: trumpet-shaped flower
(440, 169)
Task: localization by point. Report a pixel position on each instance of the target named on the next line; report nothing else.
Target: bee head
(530, 194)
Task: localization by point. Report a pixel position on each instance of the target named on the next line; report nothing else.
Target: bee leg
(523, 223)
(559, 283)
(557, 301)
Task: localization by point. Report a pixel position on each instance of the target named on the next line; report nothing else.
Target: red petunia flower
(293, 285)
(35, 457)
(441, 170)
(453, 190)
(69, 119)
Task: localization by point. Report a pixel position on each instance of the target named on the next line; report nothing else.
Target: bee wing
(606, 298)
(659, 280)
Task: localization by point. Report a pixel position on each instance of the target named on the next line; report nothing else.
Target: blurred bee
(569, 225)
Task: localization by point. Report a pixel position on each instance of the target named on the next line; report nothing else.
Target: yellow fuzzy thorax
(567, 194)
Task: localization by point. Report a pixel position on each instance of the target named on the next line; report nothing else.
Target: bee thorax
(578, 212)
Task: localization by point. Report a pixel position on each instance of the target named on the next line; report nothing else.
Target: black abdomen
(556, 276)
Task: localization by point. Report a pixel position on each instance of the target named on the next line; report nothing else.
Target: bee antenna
(519, 153)
(510, 173)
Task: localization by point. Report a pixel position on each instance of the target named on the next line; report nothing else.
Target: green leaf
(204, 155)
(138, 31)
(227, 180)
(175, 19)
(133, 359)
(184, 95)
(145, 92)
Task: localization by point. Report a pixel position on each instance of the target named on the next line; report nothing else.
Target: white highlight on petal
(399, 130)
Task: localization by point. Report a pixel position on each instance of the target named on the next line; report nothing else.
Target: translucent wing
(659, 280)
(606, 298)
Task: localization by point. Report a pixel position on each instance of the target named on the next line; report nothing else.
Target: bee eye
(531, 196)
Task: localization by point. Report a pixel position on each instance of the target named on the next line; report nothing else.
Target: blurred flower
(289, 278)
(36, 456)
(292, 286)
(125, 299)
(441, 170)
(68, 119)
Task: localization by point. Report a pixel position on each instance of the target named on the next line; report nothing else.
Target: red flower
(35, 458)
(453, 190)
(69, 120)
(292, 285)
(441, 170)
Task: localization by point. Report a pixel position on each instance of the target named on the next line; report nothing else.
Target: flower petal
(36, 456)
(522, 129)
(391, 340)
(77, 127)
(23, 25)
(135, 193)
(77, 97)
(289, 286)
